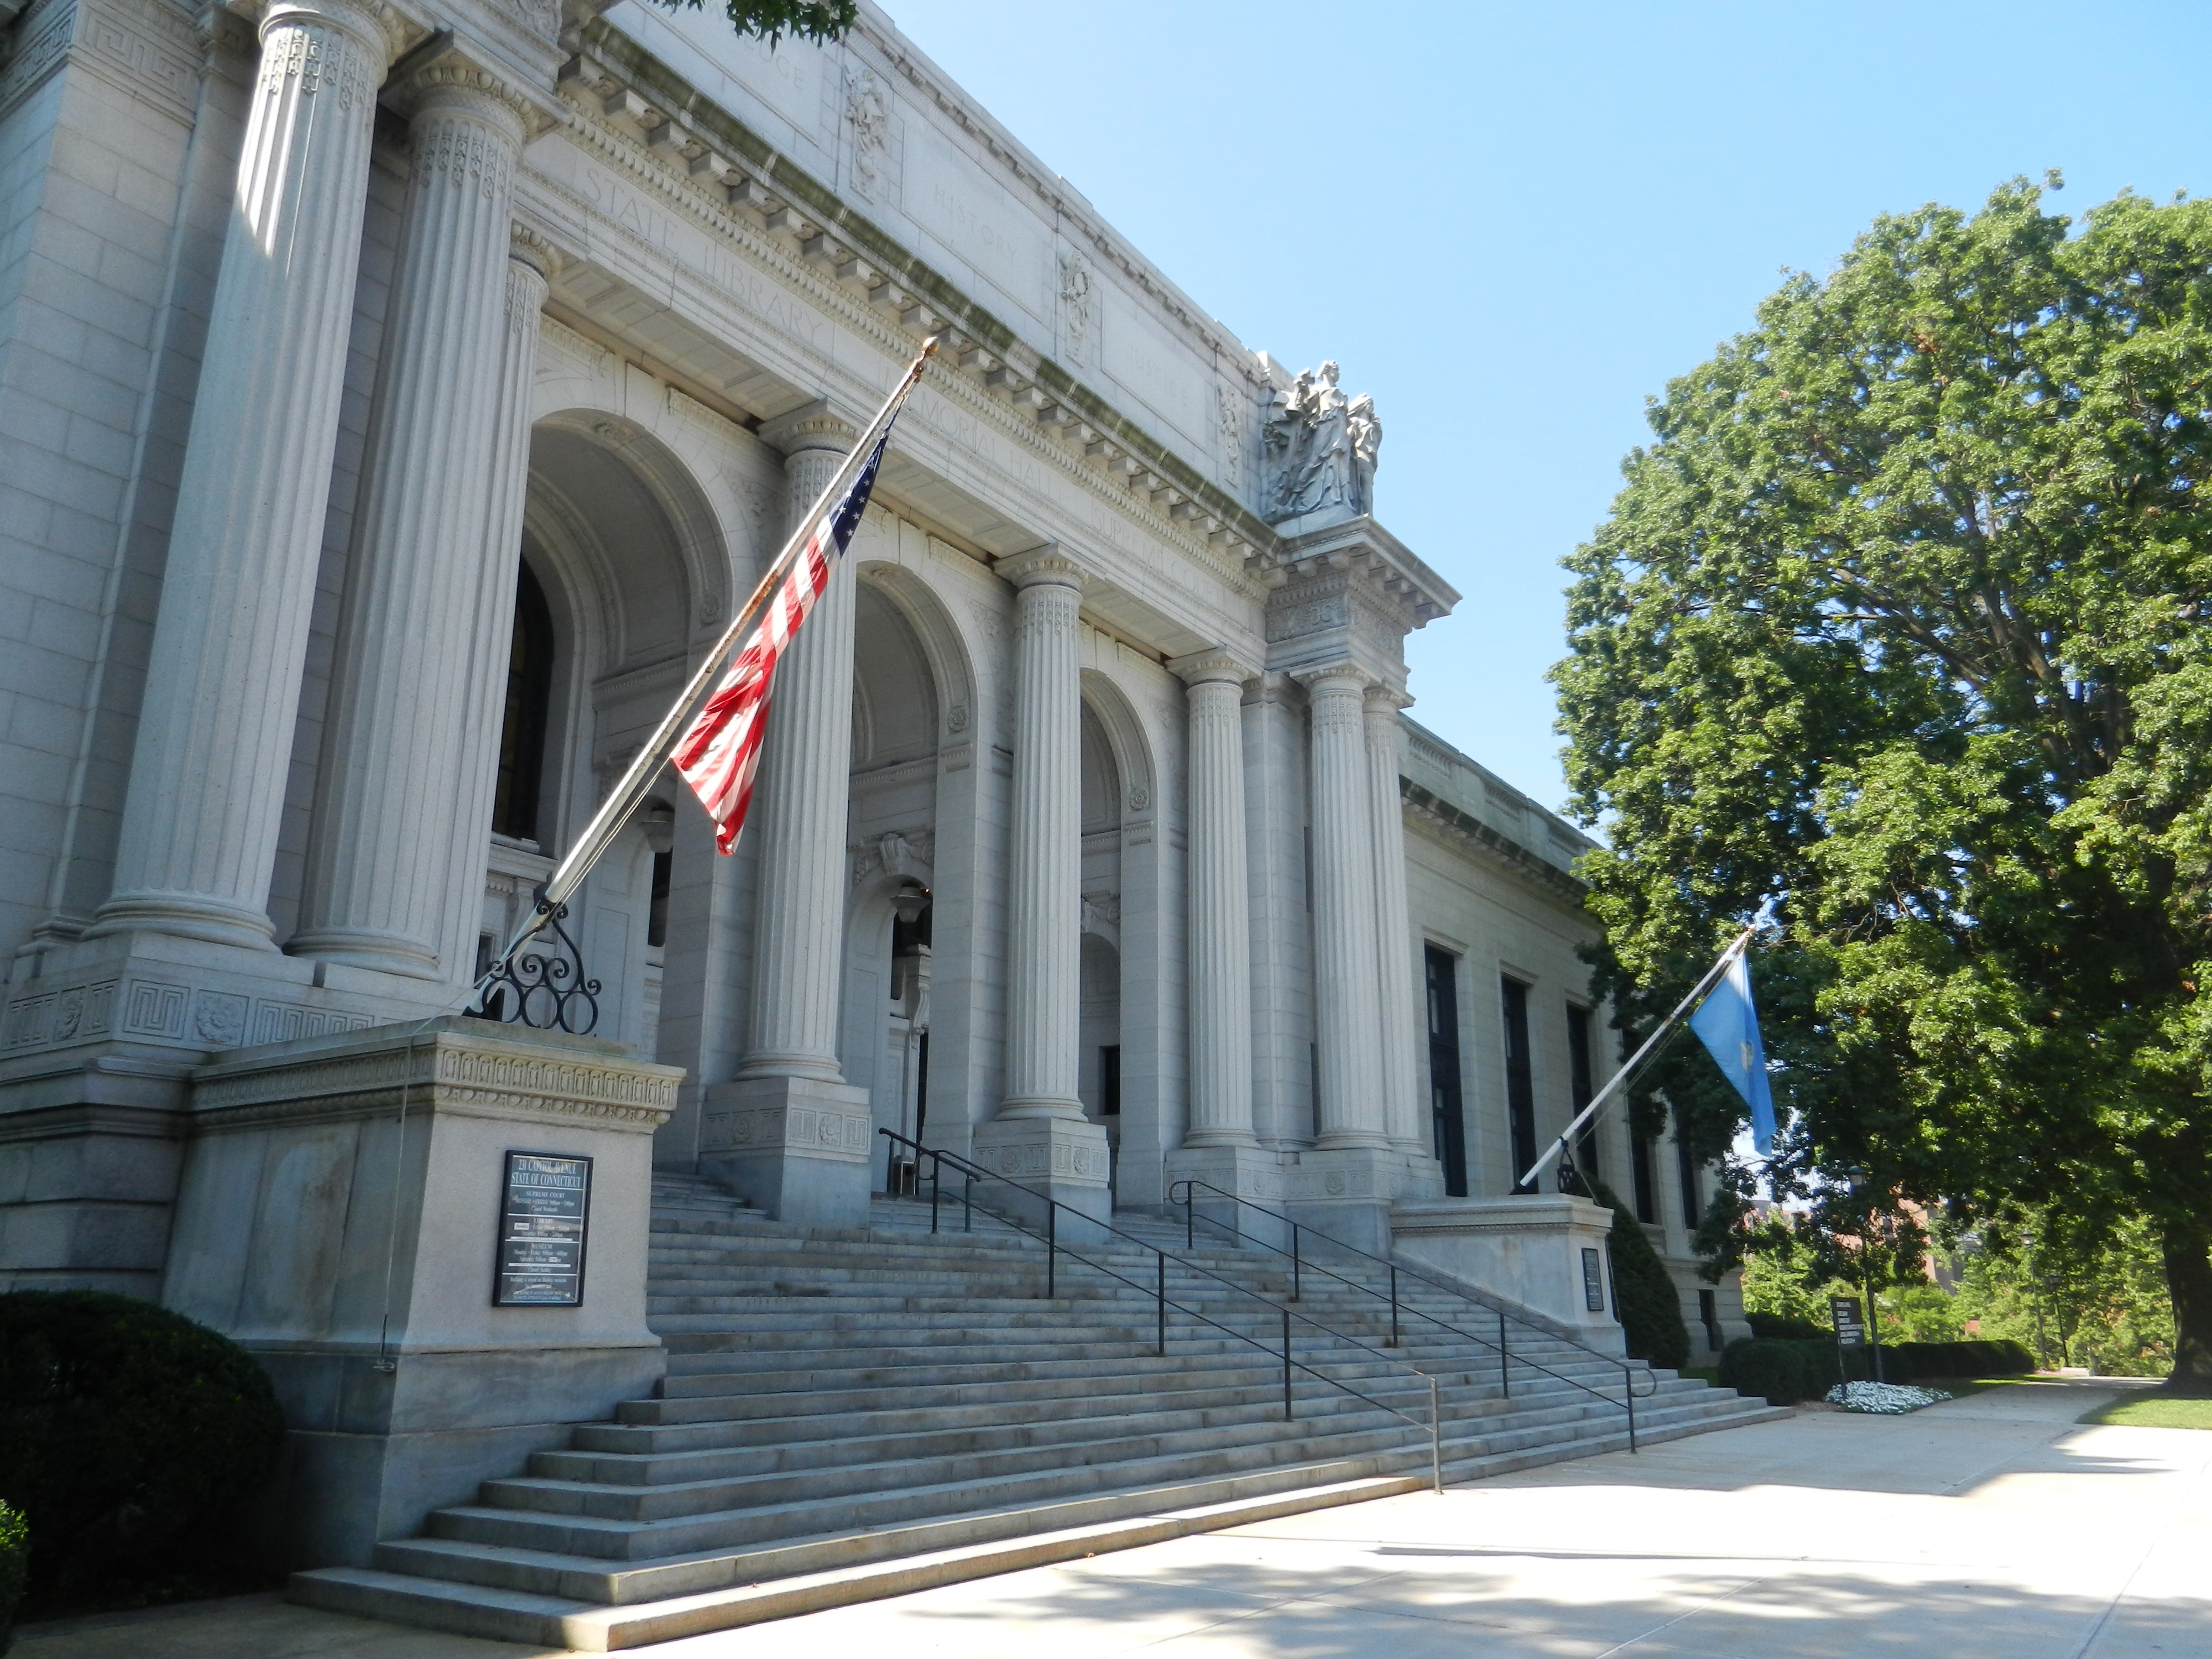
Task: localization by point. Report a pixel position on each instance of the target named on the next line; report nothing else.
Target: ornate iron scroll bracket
(546, 989)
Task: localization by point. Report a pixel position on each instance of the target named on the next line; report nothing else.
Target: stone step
(1028, 1539)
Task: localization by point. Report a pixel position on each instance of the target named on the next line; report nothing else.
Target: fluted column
(198, 840)
(799, 806)
(1394, 929)
(788, 1131)
(1347, 1011)
(1219, 906)
(379, 863)
(1044, 886)
(493, 629)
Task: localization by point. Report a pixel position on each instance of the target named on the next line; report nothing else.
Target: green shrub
(1646, 1301)
(1786, 1370)
(124, 1429)
(1781, 1328)
(14, 1568)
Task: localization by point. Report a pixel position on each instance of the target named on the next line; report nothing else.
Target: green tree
(810, 20)
(1900, 621)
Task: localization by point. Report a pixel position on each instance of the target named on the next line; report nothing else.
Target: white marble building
(398, 396)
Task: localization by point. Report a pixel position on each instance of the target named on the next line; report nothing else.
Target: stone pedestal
(96, 1055)
(1251, 1173)
(352, 1251)
(1060, 1158)
(1530, 1251)
(1347, 1192)
(799, 1147)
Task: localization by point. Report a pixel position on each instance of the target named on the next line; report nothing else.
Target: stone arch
(1123, 728)
(938, 636)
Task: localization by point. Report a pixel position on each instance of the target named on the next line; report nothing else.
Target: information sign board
(1850, 1320)
(545, 1206)
(1592, 1282)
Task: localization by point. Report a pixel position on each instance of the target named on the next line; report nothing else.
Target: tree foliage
(808, 19)
(1900, 622)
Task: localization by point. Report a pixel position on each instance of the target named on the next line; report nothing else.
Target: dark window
(1520, 1081)
(1579, 1087)
(1685, 1167)
(1109, 1079)
(656, 912)
(1639, 1167)
(529, 702)
(1447, 1120)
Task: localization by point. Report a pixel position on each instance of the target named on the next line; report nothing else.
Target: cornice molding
(1464, 831)
(691, 150)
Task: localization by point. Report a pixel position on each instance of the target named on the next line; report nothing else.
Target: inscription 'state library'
(401, 395)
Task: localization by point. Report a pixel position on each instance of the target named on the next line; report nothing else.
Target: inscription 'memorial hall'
(396, 423)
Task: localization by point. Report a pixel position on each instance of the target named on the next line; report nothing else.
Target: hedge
(1784, 1371)
(15, 1568)
(126, 1431)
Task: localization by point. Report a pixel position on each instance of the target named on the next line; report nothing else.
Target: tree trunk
(2188, 1248)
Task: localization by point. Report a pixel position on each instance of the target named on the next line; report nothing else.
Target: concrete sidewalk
(1993, 1526)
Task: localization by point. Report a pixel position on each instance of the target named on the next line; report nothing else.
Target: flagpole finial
(929, 346)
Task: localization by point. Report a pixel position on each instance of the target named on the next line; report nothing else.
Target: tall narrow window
(656, 912)
(1520, 1081)
(1447, 1120)
(1579, 1086)
(1639, 1168)
(1685, 1167)
(529, 702)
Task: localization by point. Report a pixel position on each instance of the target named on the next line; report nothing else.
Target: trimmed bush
(14, 1568)
(1648, 1305)
(1780, 1327)
(1784, 1371)
(123, 1429)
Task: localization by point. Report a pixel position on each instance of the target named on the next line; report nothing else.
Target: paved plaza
(1995, 1526)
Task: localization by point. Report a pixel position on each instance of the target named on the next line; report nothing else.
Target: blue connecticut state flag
(1727, 1025)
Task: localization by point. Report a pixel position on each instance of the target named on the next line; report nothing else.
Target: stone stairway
(854, 1414)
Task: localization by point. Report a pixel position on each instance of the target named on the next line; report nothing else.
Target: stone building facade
(398, 396)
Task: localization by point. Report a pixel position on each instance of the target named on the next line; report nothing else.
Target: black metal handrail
(1506, 1356)
(1054, 1249)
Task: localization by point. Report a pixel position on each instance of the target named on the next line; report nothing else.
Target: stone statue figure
(1321, 447)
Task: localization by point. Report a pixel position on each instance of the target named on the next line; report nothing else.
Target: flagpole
(1597, 1103)
(629, 790)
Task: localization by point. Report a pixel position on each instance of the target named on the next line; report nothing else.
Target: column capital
(1385, 698)
(1215, 666)
(813, 426)
(455, 85)
(526, 247)
(377, 27)
(1342, 676)
(1050, 566)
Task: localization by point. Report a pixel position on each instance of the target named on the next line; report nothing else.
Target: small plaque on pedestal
(546, 1207)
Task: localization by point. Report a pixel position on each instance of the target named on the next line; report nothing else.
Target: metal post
(1297, 1283)
(936, 1182)
(1436, 1441)
(1161, 1261)
(967, 1201)
(1051, 1249)
(1628, 1392)
(1189, 1217)
(1505, 1370)
(1393, 1304)
(1286, 1364)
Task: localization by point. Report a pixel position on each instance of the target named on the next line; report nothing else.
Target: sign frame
(1848, 1319)
(1593, 1281)
(515, 1224)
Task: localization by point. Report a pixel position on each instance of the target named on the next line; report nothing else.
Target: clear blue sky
(1513, 223)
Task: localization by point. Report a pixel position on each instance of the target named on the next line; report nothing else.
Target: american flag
(720, 752)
